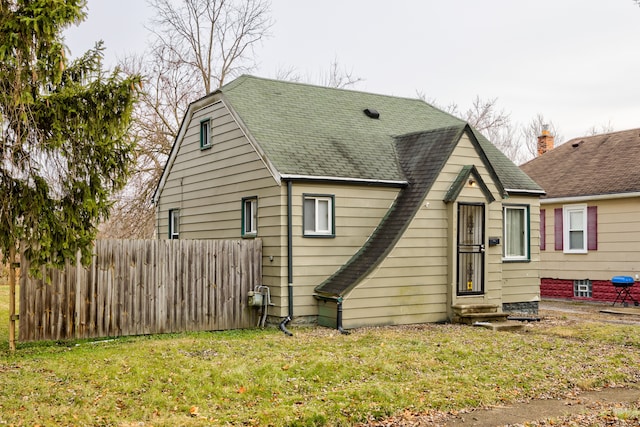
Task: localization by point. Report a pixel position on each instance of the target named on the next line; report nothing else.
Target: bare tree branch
(603, 128)
(517, 142)
(215, 37)
(196, 46)
(335, 76)
(532, 130)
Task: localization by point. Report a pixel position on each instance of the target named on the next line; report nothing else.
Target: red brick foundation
(602, 290)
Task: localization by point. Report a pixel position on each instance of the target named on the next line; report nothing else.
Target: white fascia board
(343, 179)
(577, 199)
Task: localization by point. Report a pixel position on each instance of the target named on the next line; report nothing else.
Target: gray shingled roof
(588, 166)
(323, 132)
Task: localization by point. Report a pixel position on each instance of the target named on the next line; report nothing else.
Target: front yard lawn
(317, 377)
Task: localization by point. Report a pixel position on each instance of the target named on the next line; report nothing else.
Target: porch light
(472, 182)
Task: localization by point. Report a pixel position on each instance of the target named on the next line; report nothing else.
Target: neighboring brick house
(590, 215)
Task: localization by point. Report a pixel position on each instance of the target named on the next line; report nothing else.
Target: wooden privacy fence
(136, 287)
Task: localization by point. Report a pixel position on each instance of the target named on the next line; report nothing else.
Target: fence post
(12, 298)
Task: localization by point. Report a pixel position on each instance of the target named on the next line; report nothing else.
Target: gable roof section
(510, 177)
(316, 131)
(313, 132)
(421, 156)
(461, 181)
(596, 165)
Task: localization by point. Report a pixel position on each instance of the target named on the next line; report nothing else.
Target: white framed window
(318, 215)
(582, 288)
(174, 223)
(575, 229)
(249, 216)
(205, 134)
(516, 233)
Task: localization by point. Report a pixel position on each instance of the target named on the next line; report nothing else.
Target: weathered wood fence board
(136, 287)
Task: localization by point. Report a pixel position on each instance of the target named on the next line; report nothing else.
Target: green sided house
(372, 209)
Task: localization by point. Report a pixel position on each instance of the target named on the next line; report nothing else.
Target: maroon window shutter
(592, 228)
(557, 228)
(543, 229)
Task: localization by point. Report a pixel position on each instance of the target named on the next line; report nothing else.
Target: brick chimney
(545, 141)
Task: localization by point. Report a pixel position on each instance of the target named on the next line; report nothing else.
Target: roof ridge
(244, 77)
(604, 134)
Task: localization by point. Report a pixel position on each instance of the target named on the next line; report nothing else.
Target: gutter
(380, 182)
(289, 317)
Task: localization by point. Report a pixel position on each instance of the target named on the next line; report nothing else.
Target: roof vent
(370, 112)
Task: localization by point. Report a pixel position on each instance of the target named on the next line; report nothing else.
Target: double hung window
(575, 229)
(318, 215)
(516, 233)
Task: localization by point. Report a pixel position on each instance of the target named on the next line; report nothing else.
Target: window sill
(321, 236)
(205, 147)
(250, 236)
(514, 260)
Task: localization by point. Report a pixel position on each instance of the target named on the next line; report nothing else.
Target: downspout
(289, 261)
(338, 300)
(339, 318)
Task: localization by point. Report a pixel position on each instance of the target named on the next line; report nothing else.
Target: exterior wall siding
(358, 211)
(207, 186)
(416, 283)
(618, 251)
(521, 280)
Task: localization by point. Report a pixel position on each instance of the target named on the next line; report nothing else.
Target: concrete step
(474, 308)
(507, 325)
(470, 318)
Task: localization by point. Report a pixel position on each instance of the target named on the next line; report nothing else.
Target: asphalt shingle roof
(323, 132)
(587, 166)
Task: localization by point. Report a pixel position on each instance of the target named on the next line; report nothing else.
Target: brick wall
(556, 288)
(602, 290)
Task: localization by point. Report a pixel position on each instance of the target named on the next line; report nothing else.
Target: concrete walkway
(588, 307)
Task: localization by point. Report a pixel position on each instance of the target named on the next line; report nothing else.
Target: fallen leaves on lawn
(194, 411)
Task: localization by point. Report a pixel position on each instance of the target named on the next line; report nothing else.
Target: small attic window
(370, 112)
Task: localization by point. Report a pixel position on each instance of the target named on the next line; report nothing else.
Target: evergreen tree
(65, 148)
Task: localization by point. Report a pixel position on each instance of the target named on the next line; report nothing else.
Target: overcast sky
(577, 62)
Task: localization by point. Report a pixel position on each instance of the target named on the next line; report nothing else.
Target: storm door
(470, 249)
